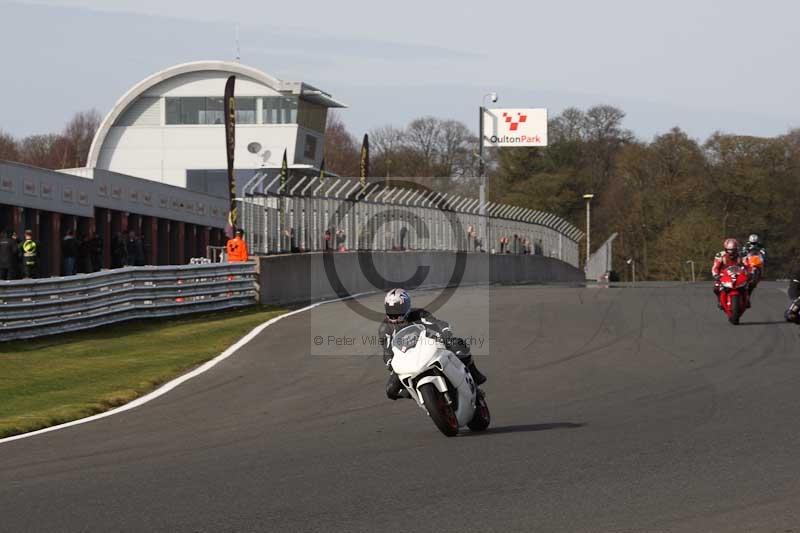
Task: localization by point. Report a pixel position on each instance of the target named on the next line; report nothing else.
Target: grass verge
(48, 381)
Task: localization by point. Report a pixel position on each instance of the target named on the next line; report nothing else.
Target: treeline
(67, 149)
(428, 147)
(671, 200)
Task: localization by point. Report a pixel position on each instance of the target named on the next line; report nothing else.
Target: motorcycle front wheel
(439, 410)
(736, 309)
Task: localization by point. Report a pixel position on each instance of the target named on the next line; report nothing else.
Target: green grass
(49, 381)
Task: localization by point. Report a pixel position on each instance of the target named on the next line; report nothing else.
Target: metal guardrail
(313, 214)
(34, 308)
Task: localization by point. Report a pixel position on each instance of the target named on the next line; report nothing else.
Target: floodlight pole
(482, 170)
(588, 198)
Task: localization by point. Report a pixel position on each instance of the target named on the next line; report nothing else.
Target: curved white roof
(197, 66)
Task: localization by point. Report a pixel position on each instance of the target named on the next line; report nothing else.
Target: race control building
(157, 162)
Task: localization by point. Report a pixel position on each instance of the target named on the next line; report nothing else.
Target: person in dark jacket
(119, 253)
(96, 251)
(9, 256)
(69, 252)
(84, 255)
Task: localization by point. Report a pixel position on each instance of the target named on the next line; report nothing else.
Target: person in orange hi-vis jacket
(236, 248)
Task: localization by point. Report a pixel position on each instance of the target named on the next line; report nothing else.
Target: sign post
(506, 127)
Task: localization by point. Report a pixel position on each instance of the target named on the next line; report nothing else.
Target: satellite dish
(254, 147)
(265, 157)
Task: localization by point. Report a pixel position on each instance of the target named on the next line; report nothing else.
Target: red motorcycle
(734, 294)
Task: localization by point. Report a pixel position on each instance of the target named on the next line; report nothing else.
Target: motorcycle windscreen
(408, 337)
(412, 350)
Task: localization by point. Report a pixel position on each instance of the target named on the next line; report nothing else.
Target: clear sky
(703, 65)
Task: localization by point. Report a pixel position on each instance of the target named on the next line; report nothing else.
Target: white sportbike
(438, 381)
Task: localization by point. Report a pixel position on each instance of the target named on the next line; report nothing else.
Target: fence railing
(33, 308)
(313, 214)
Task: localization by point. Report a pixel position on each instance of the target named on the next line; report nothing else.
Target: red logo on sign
(512, 123)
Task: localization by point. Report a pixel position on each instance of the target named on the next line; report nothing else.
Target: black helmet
(397, 304)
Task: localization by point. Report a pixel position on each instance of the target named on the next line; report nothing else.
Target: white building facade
(169, 127)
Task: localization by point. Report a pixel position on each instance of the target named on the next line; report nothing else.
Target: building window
(200, 110)
(214, 112)
(310, 151)
(312, 116)
(246, 110)
(279, 110)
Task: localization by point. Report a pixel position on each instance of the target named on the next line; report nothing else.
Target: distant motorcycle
(438, 381)
(755, 259)
(734, 292)
(792, 313)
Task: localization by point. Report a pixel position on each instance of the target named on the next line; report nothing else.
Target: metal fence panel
(33, 308)
(323, 214)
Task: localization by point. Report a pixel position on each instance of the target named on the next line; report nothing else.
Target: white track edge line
(165, 388)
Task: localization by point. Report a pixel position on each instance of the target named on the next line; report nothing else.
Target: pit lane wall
(299, 278)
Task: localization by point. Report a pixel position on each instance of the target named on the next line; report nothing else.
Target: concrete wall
(295, 278)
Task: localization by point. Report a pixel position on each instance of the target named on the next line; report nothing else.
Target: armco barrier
(294, 278)
(33, 308)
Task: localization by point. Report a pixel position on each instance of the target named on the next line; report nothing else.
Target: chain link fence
(305, 214)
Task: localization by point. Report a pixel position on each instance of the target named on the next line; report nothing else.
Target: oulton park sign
(514, 127)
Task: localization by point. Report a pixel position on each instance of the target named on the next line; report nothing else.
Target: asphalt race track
(614, 409)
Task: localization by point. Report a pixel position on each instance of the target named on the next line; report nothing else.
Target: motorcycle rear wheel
(439, 410)
(480, 421)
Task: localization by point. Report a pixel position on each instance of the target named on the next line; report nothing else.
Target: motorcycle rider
(793, 312)
(754, 246)
(728, 257)
(400, 314)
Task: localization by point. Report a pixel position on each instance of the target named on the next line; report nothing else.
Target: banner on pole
(229, 109)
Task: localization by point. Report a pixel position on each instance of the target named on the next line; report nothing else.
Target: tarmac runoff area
(614, 409)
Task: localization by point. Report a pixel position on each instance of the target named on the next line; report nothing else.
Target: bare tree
(387, 143)
(341, 148)
(568, 126)
(46, 151)
(8, 147)
(454, 146)
(78, 135)
(422, 136)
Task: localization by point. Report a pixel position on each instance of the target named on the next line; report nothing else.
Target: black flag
(364, 160)
(284, 172)
(229, 107)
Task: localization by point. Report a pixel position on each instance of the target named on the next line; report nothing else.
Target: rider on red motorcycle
(729, 256)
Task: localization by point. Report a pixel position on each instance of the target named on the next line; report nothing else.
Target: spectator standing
(96, 251)
(9, 256)
(69, 251)
(327, 238)
(289, 233)
(130, 249)
(119, 254)
(17, 267)
(84, 255)
(30, 255)
(340, 240)
(236, 248)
